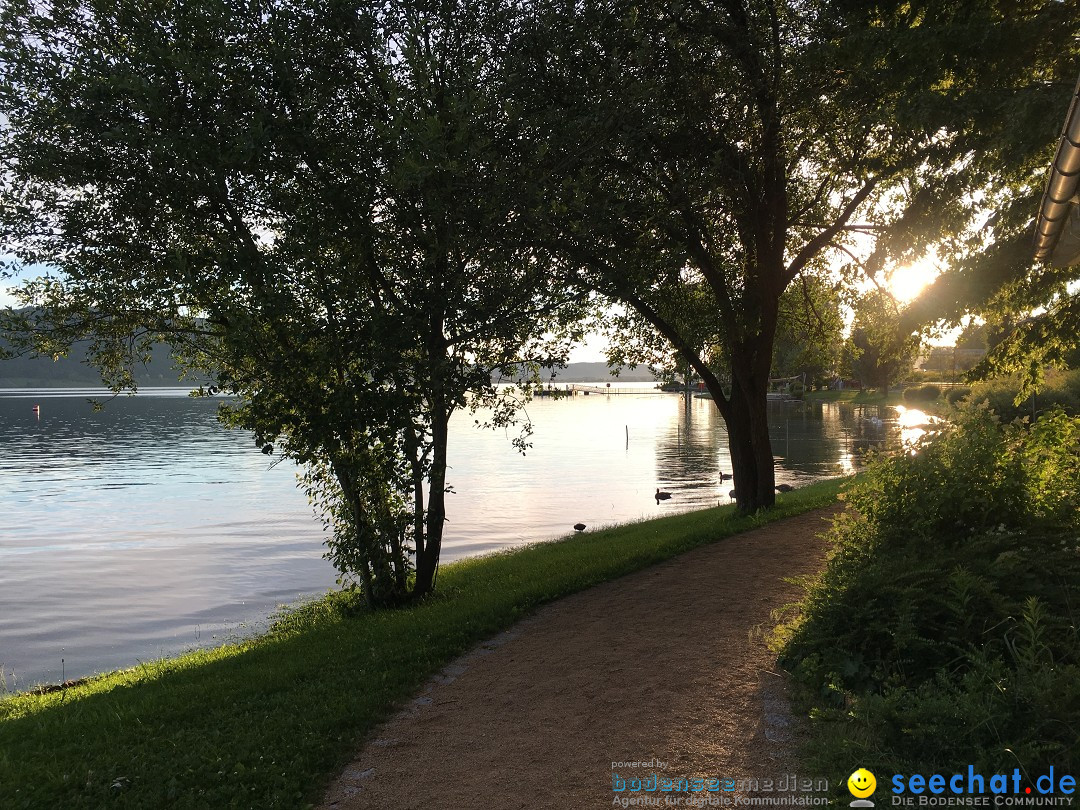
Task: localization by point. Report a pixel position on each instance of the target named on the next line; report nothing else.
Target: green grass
(268, 722)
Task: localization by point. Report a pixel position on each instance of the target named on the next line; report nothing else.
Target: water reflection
(147, 528)
(914, 425)
(689, 457)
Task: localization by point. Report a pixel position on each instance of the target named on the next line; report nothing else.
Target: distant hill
(73, 372)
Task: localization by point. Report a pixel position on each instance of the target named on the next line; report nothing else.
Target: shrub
(1058, 390)
(950, 602)
(957, 393)
(1070, 381)
(927, 392)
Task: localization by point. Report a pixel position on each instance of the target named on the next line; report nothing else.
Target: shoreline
(305, 694)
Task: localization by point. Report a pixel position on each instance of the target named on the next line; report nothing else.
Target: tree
(877, 352)
(720, 151)
(311, 205)
(1030, 304)
(809, 333)
(974, 337)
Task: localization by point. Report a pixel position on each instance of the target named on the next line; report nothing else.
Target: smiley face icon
(861, 783)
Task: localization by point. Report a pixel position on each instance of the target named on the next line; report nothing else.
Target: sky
(27, 272)
(591, 350)
(6, 298)
(905, 283)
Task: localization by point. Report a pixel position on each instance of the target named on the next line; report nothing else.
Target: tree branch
(814, 246)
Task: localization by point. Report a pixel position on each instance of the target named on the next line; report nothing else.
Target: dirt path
(660, 665)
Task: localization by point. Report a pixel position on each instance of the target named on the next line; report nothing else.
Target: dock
(593, 389)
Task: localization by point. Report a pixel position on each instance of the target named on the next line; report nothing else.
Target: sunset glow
(905, 283)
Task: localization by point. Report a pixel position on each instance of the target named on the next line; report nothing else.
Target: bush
(950, 602)
(957, 393)
(927, 392)
(1058, 390)
(1070, 381)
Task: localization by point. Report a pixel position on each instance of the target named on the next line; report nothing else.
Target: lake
(147, 528)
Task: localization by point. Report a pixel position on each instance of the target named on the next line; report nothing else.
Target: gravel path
(663, 671)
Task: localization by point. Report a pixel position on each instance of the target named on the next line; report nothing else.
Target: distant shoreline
(74, 375)
(67, 386)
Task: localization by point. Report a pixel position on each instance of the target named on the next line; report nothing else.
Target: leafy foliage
(1020, 396)
(1031, 308)
(926, 392)
(956, 393)
(950, 603)
(703, 158)
(877, 353)
(809, 333)
(312, 206)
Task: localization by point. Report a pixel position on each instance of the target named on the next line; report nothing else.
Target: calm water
(147, 528)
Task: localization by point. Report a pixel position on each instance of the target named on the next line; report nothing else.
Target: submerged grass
(938, 406)
(268, 722)
(858, 397)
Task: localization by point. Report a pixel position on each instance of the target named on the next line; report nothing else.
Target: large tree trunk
(746, 413)
(427, 564)
(749, 443)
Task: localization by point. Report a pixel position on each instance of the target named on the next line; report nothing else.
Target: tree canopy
(877, 353)
(314, 206)
(809, 332)
(350, 214)
(1031, 307)
(704, 156)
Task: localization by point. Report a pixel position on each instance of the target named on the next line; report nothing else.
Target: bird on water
(661, 495)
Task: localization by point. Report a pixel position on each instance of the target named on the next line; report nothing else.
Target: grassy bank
(1056, 389)
(267, 723)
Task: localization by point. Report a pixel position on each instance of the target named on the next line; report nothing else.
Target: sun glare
(905, 283)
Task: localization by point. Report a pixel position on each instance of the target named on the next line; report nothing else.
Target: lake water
(147, 528)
